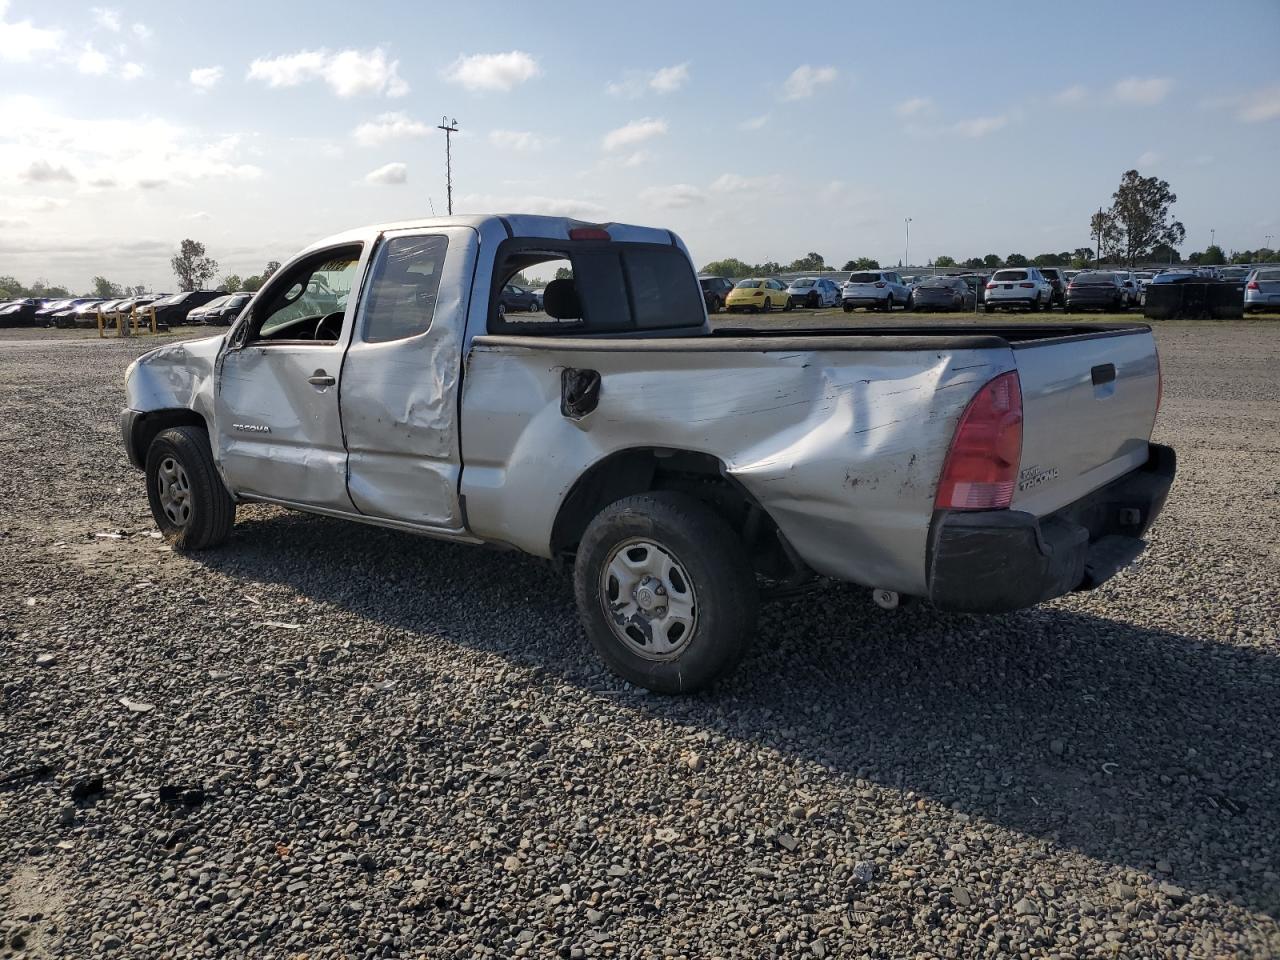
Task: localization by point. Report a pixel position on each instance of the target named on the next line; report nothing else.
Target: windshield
(864, 278)
(1007, 275)
(747, 284)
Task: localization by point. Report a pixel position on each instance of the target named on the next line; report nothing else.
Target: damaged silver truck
(381, 377)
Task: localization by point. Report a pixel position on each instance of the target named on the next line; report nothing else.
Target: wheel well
(699, 475)
(148, 426)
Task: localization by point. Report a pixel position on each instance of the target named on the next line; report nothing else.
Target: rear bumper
(1000, 560)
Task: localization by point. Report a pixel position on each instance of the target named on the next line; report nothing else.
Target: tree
(1106, 235)
(944, 262)
(1140, 210)
(251, 284)
(973, 263)
(11, 287)
(104, 289)
(1050, 259)
(272, 267)
(1016, 260)
(862, 263)
(728, 267)
(991, 260)
(564, 273)
(191, 267)
(231, 283)
(1212, 256)
(1242, 256)
(137, 290)
(809, 262)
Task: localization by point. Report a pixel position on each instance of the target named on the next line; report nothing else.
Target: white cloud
(142, 31)
(1148, 159)
(483, 72)
(673, 197)
(21, 41)
(205, 78)
(635, 83)
(39, 204)
(1075, 93)
(914, 107)
(1143, 91)
(388, 126)
(92, 61)
(548, 206)
(106, 18)
(348, 73)
(980, 126)
(637, 159)
(42, 171)
(1260, 106)
(132, 71)
(521, 141)
(804, 80)
(754, 123)
(199, 215)
(391, 174)
(736, 183)
(637, 131)
(8, 222)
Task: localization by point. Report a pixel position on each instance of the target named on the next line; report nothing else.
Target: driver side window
(308, 302)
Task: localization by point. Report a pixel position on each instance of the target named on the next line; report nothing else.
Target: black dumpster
(1194, 299)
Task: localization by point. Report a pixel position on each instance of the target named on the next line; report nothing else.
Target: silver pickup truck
(681, 471)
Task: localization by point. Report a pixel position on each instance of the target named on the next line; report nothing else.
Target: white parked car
(1024, 287)
(814, 292)
(879, 289)
(1132, 288)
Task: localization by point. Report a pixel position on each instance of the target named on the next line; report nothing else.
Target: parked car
(666, 465)
(878, 289)
(1235, 273)
(176, 308)
(1132, 291)
(1024, 287)
(814, 292)
(942, 293)
(1262, 290)
(758, 295)
(1059, 284)
(84, 315)
(715, 291)
(517, 299)
(221, 312)
(19, 313)
(45, 314)
(1097, 290)
(977, 282)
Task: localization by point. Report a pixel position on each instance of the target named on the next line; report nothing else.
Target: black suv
(714, 290)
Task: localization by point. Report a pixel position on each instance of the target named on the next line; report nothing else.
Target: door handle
(321, 379)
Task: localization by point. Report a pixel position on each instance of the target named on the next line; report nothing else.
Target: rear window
(864, 278)
(1006, 275)
(940, 284)
(748, 284)
(802, 284)
(1267, 275)
(1097, 277)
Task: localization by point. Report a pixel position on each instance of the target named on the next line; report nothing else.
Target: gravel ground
(331, 741)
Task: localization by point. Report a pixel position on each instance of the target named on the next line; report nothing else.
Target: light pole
(1268, 239)
(906, 246)
(1212, 233)
(450, 127)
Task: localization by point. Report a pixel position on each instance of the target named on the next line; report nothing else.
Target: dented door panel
(841, 448)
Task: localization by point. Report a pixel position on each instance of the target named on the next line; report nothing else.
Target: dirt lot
(331, 741)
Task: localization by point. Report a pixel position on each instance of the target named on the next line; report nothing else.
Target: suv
(1058, 281)
(714, 292)
(1018, 287)
(882, 289)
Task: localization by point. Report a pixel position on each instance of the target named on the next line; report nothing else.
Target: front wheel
(848, 307)
(188, 501)
(666, 592)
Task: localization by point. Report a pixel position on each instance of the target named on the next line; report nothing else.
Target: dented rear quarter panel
(842, 448)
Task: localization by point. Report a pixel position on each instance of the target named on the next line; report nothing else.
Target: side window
(308, 302)
(401, 297)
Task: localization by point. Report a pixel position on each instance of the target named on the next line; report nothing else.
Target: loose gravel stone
(406, 748)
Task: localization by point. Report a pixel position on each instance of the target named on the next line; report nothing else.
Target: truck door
(279, 434)
(399, 389)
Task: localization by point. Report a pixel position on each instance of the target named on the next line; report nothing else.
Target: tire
(848, 307)
(812, 302)
(768, 306)
(1034, 306)
(988, 308)
(200, 513)
(791, 303)
(502, 311)
(888, 304)
(713, 567)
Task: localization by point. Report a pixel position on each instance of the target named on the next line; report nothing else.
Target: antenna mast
(450, 127)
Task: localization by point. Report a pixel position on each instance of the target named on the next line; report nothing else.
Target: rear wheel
(888, 304)
(666, 592)
(188, 501)
(1034, 306)
(768, 305)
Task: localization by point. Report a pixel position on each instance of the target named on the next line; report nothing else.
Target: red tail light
(1028, 286)
(991, 286)
(981, 468)
(1252, 285)
(589, 233)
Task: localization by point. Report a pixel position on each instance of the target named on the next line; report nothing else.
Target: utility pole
(1212, 241)
(906, 248)
(450, 127)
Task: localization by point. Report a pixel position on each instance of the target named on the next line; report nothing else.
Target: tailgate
(1089, 404)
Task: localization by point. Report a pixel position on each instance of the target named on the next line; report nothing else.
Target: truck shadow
(1134, 746)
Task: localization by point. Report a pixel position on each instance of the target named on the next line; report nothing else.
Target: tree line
(192, 269)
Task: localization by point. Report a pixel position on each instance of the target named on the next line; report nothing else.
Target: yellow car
(759, 295)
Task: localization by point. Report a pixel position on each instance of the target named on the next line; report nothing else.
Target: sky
(258, 128)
